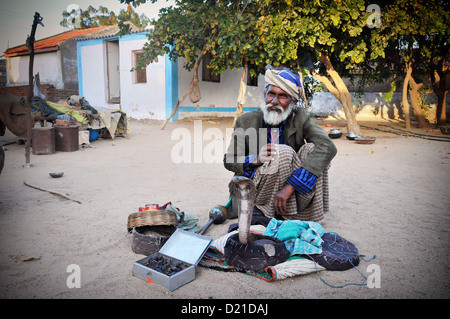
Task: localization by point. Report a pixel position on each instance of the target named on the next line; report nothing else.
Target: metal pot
(335, 133)
(351, 135)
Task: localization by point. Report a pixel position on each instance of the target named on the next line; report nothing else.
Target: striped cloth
(286, 80)
(302, 180)
(273, 175)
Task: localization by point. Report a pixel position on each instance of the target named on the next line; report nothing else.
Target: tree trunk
(441, 109)
(300, 74)
(414, 94)
(405, 103)
(30, 44)
(340, 91)
(438, 82)
(241, 97)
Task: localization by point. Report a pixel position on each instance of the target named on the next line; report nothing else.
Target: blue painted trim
(134, 36)
(127, 37)
(93, 41)
(80, 44)
(214, 109)
(80, 71)
(171, 85)
(88, 42)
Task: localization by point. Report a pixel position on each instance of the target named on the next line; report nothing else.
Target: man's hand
(281, 198)
(265, 154)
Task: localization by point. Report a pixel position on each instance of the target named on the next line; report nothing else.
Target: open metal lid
(186, 246)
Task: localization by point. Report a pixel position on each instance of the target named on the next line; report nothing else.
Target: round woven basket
(147, 240)
(152, 218)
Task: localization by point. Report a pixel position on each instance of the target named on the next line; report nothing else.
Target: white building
(105, 79)
(54, 60)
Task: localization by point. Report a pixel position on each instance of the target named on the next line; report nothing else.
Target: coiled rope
(345, 254)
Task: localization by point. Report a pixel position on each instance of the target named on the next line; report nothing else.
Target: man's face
(277, 106)
(277, 96)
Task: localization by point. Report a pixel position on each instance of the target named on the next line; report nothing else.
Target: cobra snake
(245, 192)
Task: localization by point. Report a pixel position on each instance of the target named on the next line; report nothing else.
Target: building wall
(69, 72)
(22, 91)
(141, 100)
(217, 98)
(92, 72)
(371, 105)
(137, 100)
(46, 64)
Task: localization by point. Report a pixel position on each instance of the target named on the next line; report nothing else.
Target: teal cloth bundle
(300, 237)
(186, 221)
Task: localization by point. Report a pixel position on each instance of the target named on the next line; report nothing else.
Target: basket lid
(186, 246)
(152, 218)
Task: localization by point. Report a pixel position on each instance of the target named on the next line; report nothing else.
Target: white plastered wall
(222, 94)
(93, 74)
(137, 100)
(46, 64)
(141, 100)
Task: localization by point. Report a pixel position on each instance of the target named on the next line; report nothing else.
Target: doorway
(113, 71)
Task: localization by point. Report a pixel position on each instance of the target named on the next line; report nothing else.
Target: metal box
(66, 138)
(183, 247)
(43, 140)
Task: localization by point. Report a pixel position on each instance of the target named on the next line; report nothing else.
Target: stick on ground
(52, 192)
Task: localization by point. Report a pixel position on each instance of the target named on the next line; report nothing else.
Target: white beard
(273, 117)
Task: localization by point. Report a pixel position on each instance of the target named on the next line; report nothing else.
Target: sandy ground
(391, 199)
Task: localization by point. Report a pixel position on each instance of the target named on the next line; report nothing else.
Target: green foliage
(291, 32)
(123, 29)
(225, 29)
(411, 30)
(412, 33)
(136, 3)
(334, 27)
(180, 31)
(258, 33)
(311, 85)
(390, 94)
(92, 17)
(426, 107)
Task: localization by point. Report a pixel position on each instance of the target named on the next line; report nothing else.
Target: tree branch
(191, 87)
(327, 83)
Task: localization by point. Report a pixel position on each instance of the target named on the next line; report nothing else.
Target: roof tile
(50, 43)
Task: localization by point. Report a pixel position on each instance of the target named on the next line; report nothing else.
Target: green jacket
(298, 129)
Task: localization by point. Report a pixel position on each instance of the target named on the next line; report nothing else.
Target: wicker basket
(152, 218)
(147, 240)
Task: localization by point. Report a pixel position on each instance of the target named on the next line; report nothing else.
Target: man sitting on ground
(285, 154)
